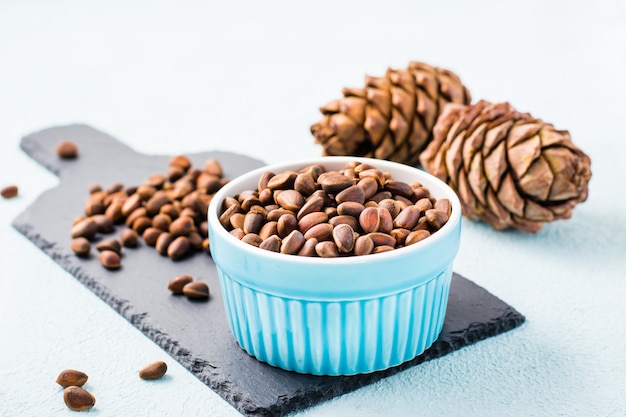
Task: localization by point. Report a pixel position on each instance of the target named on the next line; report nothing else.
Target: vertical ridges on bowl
(336, 338)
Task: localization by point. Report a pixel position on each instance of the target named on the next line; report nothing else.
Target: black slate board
(196, 334)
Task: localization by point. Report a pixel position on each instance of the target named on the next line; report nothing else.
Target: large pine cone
(508, 168)
(392, 117)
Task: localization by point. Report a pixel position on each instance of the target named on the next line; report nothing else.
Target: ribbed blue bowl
(339, 316)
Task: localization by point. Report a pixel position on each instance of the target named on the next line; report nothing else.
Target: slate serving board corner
(196, 334)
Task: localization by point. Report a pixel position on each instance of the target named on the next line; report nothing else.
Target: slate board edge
(203, 370)
(32, 149)
(331, 387)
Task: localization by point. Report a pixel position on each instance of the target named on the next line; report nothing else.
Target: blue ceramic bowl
(338, 316)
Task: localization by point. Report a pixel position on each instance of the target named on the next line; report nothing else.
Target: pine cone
(392, 117)
(508, 168)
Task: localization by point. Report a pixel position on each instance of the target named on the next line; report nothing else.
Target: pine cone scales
(508, 168)
(392, 117)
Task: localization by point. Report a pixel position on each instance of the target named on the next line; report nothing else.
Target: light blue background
(249, 77)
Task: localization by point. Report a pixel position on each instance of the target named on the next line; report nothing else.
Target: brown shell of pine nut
(416, 236)
(266, 196)
(150, 235)
(353, 222)
(212, 166)
(145, 192)
(282, 181)
(275, 214)
(436, 218)
(134, 215)
(131, 204)
(69, 377)
(286, 224)
(253, 222)
(375, 174)
(141, 224)
(158, 200)
(110, 259)
(400, 235)
(386, 221)
(311, 220)
(407, 219)
(67, 150)
(259, 209)
(162, 221)
(350, 208)
(364, 245)
(321, 232)
(251, 238)
(272, 243)
(250, 201)
(313, 204)
(208, 183)
(174, 173)
(180, 161)
(105, 224)
(178, 248)
(238, 233)
(382, 248)
(423, 204)
(114, 188)
(369, 186)
(399, 188)
(175, 285)
(334, 183)
(392, 206)
(154, 370)
(110, 244)
(169, 210)
(327, 249)
(292, 243)
(290, 200)
(224, 217)
(86, 228)
(9, 191)
(305, 184)
(80, 246)
(206, 245)
(382, 239)
(195, 240)
(343, 236)
(444, 205)
(114, 211)
(354, 193)
(78, 399)
(196, 290)
(156, 180)
(129, 238)
(182, 226)
(264, 180)
(95, 203)
(369, 219)
(308, 249)
(268, 229)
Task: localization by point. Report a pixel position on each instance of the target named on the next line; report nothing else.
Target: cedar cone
(508, 168)
(392, 117)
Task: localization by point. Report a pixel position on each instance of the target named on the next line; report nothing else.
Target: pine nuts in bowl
(335, 265)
